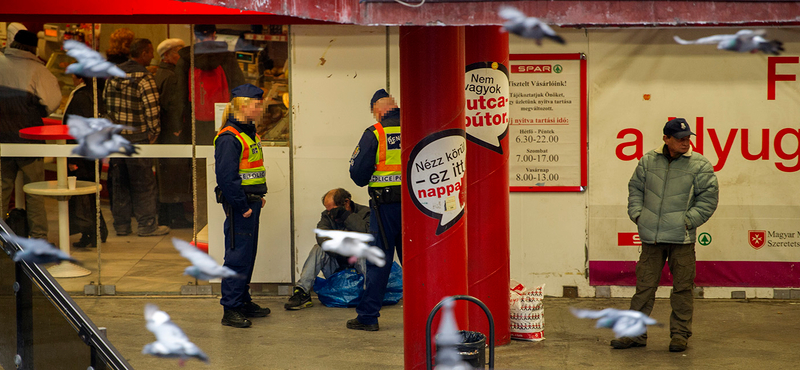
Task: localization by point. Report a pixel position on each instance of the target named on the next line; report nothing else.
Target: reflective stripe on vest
(251, 160)
(388, 167)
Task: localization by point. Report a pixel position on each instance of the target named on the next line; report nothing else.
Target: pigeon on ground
(743, 41)
(37, 251)
(98, 137)
(203, 266)
(447, 340)
(624, 323)
(170, 342)
(529, 27)
(348, 243)
(90, 63)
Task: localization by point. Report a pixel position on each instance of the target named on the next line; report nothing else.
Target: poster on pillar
(547, 129)
(435, 177)
(744, 113)
(486, 93)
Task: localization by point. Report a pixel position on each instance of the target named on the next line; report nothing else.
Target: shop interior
(131, 264)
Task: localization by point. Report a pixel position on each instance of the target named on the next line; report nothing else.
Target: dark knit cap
(26, 37)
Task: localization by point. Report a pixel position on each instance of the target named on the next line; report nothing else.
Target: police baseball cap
(678, 128)
(380, 94)
(247, 91)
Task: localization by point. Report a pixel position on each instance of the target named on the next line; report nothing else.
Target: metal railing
(32, 335)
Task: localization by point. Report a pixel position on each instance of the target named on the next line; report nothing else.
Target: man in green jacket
(671, 193)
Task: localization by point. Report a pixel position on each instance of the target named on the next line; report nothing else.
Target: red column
(487, 164)
(434, 166)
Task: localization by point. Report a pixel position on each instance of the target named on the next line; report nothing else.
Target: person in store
(241, 187)
(133, 101)
(216, 74)
(119, 49)
(672, 191)
(174, 175)
(382, 174)
(340, 213)
(83, 208)
(28, 92)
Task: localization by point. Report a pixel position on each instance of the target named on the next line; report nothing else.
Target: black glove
(339, 214)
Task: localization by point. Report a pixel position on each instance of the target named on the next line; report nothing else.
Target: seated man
(340, 213)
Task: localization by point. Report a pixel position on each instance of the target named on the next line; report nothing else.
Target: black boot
(86, 241)
(236, 319)
(251, 309)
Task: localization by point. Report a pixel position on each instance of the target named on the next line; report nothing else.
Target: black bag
(17, 220)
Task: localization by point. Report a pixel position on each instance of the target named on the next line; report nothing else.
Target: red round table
(47, 132)
(60, 190)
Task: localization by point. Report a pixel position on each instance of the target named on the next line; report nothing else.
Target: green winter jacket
(669, 200)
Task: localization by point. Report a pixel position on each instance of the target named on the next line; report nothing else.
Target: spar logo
(757, 238)
(533, 68)
(628, 239)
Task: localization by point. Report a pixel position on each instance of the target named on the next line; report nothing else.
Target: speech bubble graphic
(486, 95)
(435, 176)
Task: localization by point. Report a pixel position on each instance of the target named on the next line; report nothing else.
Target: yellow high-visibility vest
(388, 167)
(251, 160)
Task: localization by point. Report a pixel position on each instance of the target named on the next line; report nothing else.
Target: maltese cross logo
(757, 238)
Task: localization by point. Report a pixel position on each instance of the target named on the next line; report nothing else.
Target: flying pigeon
(624, 323)
(90, 63)
(37, 251)
(170, 341)
(203, 266)
(348, 243)
(447, 339)
(743, 41)
(529, 27)
(98, 137)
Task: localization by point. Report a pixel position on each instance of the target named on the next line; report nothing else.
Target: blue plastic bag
(346, 288)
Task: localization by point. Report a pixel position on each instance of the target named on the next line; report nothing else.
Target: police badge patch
(355, 154)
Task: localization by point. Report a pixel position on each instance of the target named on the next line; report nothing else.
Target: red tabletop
(51, 121)
(49, 132)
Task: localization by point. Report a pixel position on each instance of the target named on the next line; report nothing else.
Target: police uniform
(241, 180)
(376, 163)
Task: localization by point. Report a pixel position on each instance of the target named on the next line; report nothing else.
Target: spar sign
(435, 177)
(486, 94)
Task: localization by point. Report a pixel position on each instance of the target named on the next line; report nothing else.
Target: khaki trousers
(681, 261)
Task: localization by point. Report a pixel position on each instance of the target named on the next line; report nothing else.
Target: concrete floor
(728, 334)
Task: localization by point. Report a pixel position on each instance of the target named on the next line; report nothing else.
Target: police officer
(241, 186)
(376, 162)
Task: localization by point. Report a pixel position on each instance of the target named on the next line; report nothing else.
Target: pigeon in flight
(170, 342)
(37, 251)
(348, 243)
(447, 339)
(203, 266)
(529, 27)
(98, 137)
(743, 41)
(90, 63)
(624, 323)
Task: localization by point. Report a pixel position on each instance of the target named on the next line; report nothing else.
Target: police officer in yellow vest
(241, 186)
(376, 162)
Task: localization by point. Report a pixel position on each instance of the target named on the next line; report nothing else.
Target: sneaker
(357, 325)
(157, 231)
(250, 309)
(677, 344)
(123, 232)
(626, 342)
(236, 319)
(299, 300)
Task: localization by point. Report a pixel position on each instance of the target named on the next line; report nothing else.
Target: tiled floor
(133, 264)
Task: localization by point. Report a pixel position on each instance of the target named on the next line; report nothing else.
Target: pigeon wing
(194, 255)
(592, 314)
(79, 127)
(511, 13)
(716, 39)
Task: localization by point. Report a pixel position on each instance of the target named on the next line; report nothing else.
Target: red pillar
(487, 164)
(434, 166)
